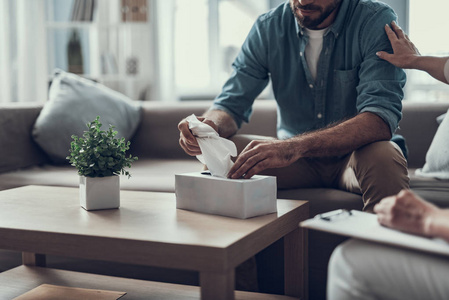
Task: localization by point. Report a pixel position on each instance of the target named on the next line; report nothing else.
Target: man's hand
(187, 140)
(260, 155)
(404, 51)
(406, 212)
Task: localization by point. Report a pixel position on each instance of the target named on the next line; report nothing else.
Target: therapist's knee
(347, 256)
(339, 258)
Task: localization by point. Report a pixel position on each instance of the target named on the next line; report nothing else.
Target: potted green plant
(100, 158)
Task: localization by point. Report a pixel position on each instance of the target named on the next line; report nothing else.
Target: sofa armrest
(419, 126)
(18, 149)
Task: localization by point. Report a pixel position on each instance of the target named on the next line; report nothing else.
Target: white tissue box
(238, 198)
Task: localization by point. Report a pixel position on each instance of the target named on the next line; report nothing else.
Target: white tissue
(216, 151)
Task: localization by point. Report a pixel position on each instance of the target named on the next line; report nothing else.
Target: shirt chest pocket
(344, 93)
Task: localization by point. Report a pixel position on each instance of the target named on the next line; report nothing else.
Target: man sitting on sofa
(338, 103)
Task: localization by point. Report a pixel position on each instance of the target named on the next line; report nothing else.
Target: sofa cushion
(437, 157)
(74, 102)
(437, 196)
(432, 189)
(323, 199)
(17, 147)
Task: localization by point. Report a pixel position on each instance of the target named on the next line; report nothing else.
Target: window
(184, 50)
(207, 37)
(217, 29)
(235, 21)
(192, 45)
(428, 31)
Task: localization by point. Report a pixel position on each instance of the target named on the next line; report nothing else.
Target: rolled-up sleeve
(249, 78)
(380, 89)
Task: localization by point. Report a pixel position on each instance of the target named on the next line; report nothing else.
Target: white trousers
(365, 270)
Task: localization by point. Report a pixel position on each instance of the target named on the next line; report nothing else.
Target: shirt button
(319, 116)
(300, 53)
(311, 86)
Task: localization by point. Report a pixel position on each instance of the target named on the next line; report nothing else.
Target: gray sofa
(160, 157)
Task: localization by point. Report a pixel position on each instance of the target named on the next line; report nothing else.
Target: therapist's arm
(406, 55)
(408, 212)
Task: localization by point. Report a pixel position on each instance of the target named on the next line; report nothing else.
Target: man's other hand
(187, 140)
(261, 155)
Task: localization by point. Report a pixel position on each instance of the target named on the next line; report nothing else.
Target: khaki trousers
(375, 171)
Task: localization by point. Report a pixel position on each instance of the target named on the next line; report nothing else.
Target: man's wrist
(295, 146)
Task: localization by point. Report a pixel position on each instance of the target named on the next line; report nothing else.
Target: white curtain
(23, 56)
(164, 52)
(5, 65)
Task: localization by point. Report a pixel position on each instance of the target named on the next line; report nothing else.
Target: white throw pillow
(74, 102)
(437, 157)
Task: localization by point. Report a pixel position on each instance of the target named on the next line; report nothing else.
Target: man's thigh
(385, 156)
(376, 170)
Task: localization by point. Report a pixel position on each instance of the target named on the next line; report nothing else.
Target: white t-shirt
(313, 48)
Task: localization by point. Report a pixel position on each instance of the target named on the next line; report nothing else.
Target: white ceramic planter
(100, 192)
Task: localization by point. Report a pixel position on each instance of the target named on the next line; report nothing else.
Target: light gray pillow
(437, 157)
(75, 101)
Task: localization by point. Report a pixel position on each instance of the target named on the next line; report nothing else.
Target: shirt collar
(338, 24)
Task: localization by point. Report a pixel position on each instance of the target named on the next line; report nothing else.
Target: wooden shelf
(107, 44)
(20, 280)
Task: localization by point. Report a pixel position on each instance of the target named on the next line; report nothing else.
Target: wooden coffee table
(146, 230)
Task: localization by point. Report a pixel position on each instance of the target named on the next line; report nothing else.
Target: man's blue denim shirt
(350, 79)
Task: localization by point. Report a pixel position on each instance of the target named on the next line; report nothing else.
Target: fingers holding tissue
(186, 139)
(214, 151)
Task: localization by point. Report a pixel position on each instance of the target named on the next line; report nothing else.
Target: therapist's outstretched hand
(187, 140)
(404, 51)
(261, 155)
(407, 212)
